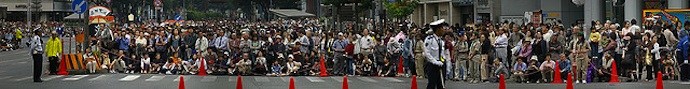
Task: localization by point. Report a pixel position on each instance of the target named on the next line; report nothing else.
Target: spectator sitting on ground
(275, 69)
(386, 69)
(145, 64)
(244, 65)
(547, 69)
(533, 74)
(190, 65)
(118, 64)
(90, 61)
(292, 66)
(156, 64)
(519, 69)
(260, 64)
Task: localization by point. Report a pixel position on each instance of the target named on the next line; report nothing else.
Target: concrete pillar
(677, 4)
(633, 10)
(425, 15)
(450, 12)
(592, 12)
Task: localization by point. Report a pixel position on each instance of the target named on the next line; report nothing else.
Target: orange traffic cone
(569, 81)
(400, 66)
(63, 66)
(345, 86)
(659, 82)
(292, 83)
(181, 85)
(557, 75)
(323, 72)
(502, 82)
(614, 74)
(202, 68)
(414, 82)
(239, 82)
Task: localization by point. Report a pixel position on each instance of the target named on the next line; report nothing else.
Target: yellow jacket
(53, 47)
(18, 34)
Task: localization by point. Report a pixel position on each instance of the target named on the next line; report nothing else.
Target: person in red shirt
(349, 52)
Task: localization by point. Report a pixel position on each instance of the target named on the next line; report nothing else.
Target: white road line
(209, 78)
(393, 79)
(367, 79)
(6, 77)
(22, 79)
(285, 79)
(97, 78)
(261, 79)
(685, 83)
(155, 78)
(230, 78)
(315, 79)
(52, 77)
(74, 78)
(130, 78)
(178, 78)
(340, 79)
(14, 60)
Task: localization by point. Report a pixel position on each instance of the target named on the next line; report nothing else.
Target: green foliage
(401, 8)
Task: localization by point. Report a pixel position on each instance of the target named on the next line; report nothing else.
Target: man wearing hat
(53, 50)
(36, 50)
(435, 54)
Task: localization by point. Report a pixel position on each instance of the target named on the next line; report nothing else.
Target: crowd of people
(479, 52)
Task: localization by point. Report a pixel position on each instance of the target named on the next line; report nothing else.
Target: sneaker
(537, 81)
(168, 73)
(583, 81)
(527, 82)
(576, 81)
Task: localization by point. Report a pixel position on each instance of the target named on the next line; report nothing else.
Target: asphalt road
(15, 73)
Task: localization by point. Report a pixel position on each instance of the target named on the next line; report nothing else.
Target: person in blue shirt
(564, 65)
(519, 69)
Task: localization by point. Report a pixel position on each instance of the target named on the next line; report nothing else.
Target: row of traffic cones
(502, 85)
(292, 83)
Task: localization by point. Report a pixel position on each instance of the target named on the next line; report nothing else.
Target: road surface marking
(285, 79)
(340, 79)
(130, 78)
(53, 77)
(6, 77)
(367, 79)
(230, 78)
(392, 79)
(155, 78)
(73, 78)
(315, 79)
(261, 79)
(685, 83)
(209, 78)
(97, 78)
(22, 79)
(14, 60)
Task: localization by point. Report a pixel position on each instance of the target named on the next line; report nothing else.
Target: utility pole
(28, 13)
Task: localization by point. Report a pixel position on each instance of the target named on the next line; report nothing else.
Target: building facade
(43, 10)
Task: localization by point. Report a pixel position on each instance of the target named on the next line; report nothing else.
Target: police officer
(435, 54)
(36, 50)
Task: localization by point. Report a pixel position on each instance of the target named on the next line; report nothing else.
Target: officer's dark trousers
(38, 66)
(434, 74)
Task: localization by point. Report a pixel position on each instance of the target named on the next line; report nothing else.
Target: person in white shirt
(145, 64)
(202, 44)
(366, 43)
(501, 45)
(90, 61)
(244, 65)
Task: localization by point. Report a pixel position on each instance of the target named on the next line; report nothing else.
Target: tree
(400, 9)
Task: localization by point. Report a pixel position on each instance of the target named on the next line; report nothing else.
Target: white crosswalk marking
(367, 79)
(315, 79)
(22, 79)
(130, 78)
(285, 79)
(52, 77)
(97, 78)
(261, 79)
(155, 78)
(178, 78)
(230, 78)
(6, 77)
(209, 78)
(340, 79)
(392, 79)
(73, 78)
